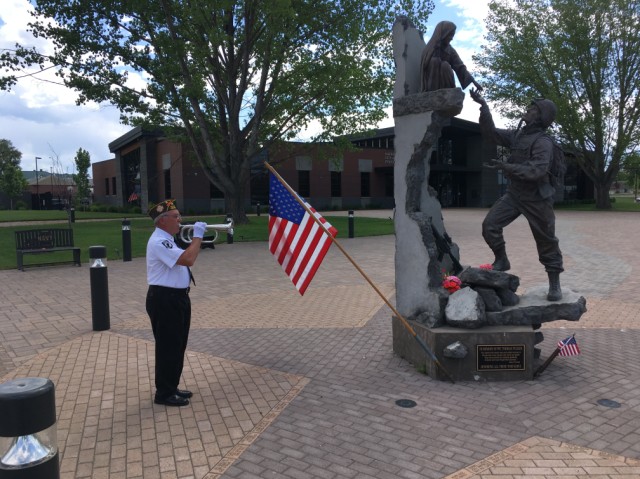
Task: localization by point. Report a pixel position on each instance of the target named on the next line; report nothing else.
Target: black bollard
(258, 209)
(28, 437)
(126, 240)
(72, 215)
(350, 223)
(99, 288)
(230, 232)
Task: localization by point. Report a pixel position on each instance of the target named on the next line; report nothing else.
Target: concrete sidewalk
(306, 387)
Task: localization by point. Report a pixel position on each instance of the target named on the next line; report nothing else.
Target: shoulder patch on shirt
(167, 244)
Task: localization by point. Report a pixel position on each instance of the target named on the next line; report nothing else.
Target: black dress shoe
(183, 393)
(173, 400)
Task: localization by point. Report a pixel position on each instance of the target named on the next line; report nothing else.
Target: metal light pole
(37, 182)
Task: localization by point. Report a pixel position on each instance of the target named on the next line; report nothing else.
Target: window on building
(336, 184)
(260, 179)
(304, 183)
(167, 183)
(131, 178)
(365, 184)
(446, 151)
(215, 192)
(113, 189)
(388, 186)
(106, 186)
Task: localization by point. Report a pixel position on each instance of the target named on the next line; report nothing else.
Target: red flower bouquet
(451, 283)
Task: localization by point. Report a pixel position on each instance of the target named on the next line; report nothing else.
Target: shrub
(98, 208)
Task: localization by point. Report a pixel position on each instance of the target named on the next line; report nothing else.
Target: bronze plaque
(500, 357)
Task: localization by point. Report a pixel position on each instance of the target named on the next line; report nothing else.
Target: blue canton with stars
(282, 204)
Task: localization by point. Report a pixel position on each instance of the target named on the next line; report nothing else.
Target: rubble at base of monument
(488, 298)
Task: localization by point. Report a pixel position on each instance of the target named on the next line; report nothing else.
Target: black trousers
(542, 221)
(170, 313)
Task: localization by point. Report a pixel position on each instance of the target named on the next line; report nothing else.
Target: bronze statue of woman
(440, 61)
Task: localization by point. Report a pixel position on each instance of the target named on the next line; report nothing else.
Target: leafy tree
(81, 178)
(630, 171)
(12, 181)
(582, 54)
(232, 76)
(9, 155)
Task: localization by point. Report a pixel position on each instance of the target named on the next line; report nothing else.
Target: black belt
(166, 289)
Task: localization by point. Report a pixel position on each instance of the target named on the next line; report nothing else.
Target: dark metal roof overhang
(132, 136)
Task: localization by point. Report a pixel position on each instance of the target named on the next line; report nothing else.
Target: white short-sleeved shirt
(162, 255)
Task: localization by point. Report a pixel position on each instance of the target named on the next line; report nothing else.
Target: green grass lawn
(108, 232)
(621, 203)
(49, 215)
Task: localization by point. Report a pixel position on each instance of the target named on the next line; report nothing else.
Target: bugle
(186, 232)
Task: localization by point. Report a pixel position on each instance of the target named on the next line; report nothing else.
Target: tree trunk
(603, 202)
(235, 206)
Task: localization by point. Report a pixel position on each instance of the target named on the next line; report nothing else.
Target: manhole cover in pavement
(608, 403)
(405, 403)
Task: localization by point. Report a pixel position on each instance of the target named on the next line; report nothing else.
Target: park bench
(49, 240)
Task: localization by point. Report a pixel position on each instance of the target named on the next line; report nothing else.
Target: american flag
(133, 197)
(295, 239)
(568, 347)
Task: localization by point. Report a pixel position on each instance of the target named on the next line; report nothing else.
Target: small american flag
(568, 347)
(298, 243)
(133, 197)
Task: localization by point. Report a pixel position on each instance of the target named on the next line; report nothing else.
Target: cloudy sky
(42, 120)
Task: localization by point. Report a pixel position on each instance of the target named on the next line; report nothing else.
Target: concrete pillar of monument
(419, 118)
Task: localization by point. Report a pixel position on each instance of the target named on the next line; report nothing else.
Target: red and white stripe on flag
(298, 243)
(569, 347)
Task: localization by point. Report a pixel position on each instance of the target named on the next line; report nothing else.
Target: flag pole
(551, 358)
(404, 322)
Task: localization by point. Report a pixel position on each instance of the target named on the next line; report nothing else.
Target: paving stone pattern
(306, 387)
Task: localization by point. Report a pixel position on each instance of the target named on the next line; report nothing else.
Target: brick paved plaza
(306, 387)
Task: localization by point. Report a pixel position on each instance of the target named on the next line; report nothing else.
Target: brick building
(148, 167)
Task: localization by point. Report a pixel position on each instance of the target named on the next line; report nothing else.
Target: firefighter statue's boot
(501, 262)
(555, 293)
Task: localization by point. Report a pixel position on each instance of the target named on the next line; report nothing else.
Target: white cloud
(476, 9)
(40, 117)
(469, 17)
(15, 16)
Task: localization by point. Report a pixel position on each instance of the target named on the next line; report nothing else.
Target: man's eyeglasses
(178, 217)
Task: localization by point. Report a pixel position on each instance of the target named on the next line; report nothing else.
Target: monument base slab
(493, 353)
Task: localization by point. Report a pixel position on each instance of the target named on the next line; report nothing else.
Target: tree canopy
(81, 178)
(12, 181)
(582, 54)
(9, 155)
(232, 76)
(629, 171)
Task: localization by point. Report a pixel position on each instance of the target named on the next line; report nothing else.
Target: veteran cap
(162, 207)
